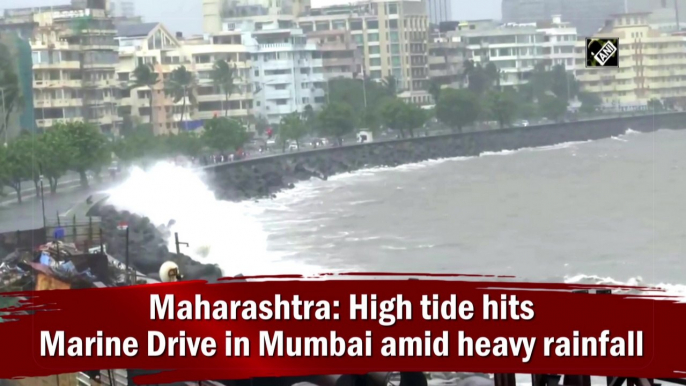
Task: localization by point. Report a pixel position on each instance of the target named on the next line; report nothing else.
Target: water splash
(219, 232)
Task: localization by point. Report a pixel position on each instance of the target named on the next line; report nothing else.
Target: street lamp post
(123, 226)
(42, 198)
(4, 113)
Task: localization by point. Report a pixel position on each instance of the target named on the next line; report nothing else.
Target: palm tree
(9, 83)
(223, 76)
(391, 85)
(145, 76)
(180, 86)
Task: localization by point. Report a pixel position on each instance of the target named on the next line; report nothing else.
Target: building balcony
(236, 113)
(94, 66)
(625, 87)
(63, 102)
(101, 83)
(40, 84)
(104, 120)
(277, 65)
(279, 109)
(277, 79)
(71, 65)
(278, 94)
(45, 123)
(339, 62)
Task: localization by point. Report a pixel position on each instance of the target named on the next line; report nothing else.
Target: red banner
(237, 330)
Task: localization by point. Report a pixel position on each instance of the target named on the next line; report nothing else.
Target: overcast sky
(186, 15)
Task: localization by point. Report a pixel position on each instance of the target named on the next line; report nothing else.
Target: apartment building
(152, 43)
(651, 65)
(217, 12)
(446, 59)
(392, 37)
(515, 49)
(287, 71)
(18, 51)
(340, 56)
(74, 58)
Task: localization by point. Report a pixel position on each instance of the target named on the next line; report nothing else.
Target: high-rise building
(74, 57)
(392, 37)
(439, 10)
(651, 66)
(18, 54)
(153, 44)
(586, 15)
(287, 72)
(590, 15)
(217, 12)
(515, 49)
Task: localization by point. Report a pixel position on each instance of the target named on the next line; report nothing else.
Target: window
(396, 61)
(376, 74)
(257, 72)
(372, 24)
(394, 36)
(356, 25)
(373, 37)
(392, 8)
(393, 24)
(374, 50)
(375, 62)
(306, 100)
(339, 24)
(359, 39)
(395, 49)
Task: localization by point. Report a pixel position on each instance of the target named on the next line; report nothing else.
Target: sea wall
(263, 177)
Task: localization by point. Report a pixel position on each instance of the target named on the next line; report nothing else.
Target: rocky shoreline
(264, 177)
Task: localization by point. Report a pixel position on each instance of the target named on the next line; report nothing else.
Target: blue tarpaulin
(191, 125)
(59, 233)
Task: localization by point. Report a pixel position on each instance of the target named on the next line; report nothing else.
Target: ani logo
(602, 52)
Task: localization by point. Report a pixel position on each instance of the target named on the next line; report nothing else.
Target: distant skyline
(186, 15)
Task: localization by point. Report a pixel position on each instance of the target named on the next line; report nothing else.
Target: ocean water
(608, 211)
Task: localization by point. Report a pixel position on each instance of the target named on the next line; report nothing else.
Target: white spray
(219, 232)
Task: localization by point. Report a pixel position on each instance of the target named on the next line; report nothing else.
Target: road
(28, 214)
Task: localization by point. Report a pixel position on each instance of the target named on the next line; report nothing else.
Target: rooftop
(135, 30)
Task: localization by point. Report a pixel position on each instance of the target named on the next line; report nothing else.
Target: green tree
(140, 146)
(186, 143)
(493, 75)
(589, 102)
(415, 117)
(20, 163)
(335, 121)
(12, 99)
(397, 115)
(90, 148)
(457, 108)
(261, 125)
(435, 90)
(552, 107)
(562, 83)
(55, 154)
(180, 86)
(224, 134)
(654, 105)
(145, 76)
(223, 76)
(293, 128)
(478, 80)
(501, 107)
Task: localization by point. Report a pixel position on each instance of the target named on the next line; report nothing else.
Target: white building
(153, 44)
(287, 72)
(516, 48)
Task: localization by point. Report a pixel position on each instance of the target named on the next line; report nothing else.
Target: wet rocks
(147, 245)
